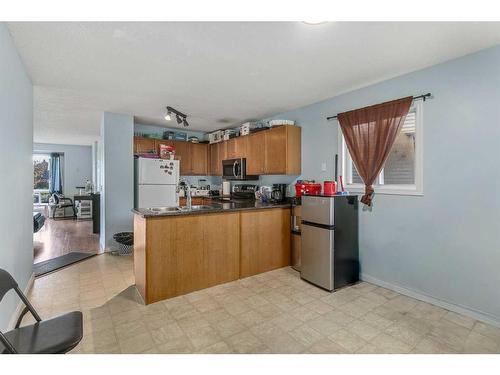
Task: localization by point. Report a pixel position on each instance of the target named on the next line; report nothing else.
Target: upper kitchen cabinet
(144, 145)
(217, 153)
(193, 156)
(183, 153)
(283, 150)
(274, 151)
(213, 160)
(199, 159)
(159, 142)
(255, 153)
(236, 148)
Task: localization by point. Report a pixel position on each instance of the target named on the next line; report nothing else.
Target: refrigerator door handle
(322, 226)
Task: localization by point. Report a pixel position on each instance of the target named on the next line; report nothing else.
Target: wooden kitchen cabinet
(265, 240)
(183, 154)
(180, 254)
(273, 151)
(222, 153)
(195, 201)
(193, 157)
(213, 160)
(217, 153)
(231, 148)
(144, 145)
(236, 148)
(159, 142)
(283, 150)
(198, 159)
(255, 153)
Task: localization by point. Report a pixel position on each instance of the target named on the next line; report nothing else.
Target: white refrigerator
(156, 182)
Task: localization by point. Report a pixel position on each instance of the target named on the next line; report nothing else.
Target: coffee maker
(278, 193)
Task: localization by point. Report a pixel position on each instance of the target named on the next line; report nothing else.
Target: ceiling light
(179, 116)
(314, 22)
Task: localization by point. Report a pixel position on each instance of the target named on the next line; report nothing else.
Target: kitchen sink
(201, 207)
(160, 210)
(166, 210)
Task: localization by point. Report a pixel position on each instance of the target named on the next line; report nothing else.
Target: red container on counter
(306, 187)
(313, 189)
(329, 188)
(299, 189)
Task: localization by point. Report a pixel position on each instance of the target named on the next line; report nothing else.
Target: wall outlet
(323, 167)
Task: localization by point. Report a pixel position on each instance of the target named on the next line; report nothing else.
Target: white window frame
(415, 189)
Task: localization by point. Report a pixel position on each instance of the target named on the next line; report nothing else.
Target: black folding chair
(52, 336)
(60, 202)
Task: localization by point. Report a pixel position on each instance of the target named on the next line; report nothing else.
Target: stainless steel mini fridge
(330, 255)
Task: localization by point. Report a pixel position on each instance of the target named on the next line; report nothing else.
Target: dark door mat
(52, 265)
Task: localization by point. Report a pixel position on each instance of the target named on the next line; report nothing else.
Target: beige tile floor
(274, 312)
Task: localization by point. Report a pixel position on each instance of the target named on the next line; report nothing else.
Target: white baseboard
(407, 291)
(20, 305)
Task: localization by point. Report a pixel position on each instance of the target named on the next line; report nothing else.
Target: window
(402, 172)
(41, 178)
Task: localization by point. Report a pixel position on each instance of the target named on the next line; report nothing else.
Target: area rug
(54, 264)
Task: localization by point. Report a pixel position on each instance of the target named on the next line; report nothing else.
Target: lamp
(179, 116)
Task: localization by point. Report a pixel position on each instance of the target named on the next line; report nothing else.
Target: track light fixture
(179, 116)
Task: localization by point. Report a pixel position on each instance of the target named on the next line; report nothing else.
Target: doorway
(58, 227)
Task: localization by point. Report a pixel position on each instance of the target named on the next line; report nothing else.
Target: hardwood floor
(59, 237)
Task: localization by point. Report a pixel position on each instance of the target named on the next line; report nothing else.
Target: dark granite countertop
(216, 207)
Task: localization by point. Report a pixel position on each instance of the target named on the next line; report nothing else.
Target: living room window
(41, 179)
(403, 169)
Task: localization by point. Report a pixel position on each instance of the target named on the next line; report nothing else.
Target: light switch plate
(323, 167)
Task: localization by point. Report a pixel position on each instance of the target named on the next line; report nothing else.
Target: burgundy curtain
(369, 134)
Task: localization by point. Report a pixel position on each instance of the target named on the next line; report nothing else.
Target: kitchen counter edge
(251, 206)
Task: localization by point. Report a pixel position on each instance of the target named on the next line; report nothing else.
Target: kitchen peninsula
(179, 250)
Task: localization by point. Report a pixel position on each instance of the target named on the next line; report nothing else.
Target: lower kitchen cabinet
(265, 240)
(178, 254)
(195, 201)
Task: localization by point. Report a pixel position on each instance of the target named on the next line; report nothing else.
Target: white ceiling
(220, 74)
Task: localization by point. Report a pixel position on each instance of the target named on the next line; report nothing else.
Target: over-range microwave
(236, 169)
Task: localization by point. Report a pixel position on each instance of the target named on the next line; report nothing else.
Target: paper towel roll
(226, 188)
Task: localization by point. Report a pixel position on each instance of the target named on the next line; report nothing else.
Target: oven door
(233, 169)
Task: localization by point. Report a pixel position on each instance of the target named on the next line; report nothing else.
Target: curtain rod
(423, 97)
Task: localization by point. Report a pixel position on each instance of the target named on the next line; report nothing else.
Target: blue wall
(16, 171)
(77, 164)
(445, 244)
(157, 131)
(117, 195)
